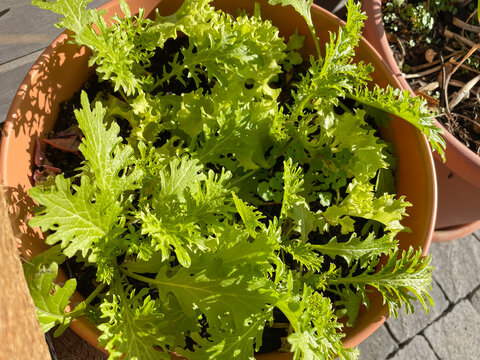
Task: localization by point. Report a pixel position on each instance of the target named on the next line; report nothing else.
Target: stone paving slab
(10, 82)
(456, 336)
(25, 31)
(457, 266)
(476, 300)
(452, 329)
(378, 346)
(417, 348)
(406, 326)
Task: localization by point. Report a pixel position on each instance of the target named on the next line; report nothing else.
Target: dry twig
(451, 35)
(423, 73)
(435, 62)
(463, 93)
(449, 75)
(466, 67)
(429, 87)
(464, 26)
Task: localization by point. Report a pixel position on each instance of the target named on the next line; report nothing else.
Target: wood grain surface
(20, 331)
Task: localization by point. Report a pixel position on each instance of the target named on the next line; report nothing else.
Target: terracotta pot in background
(458, 179)
(62, 69)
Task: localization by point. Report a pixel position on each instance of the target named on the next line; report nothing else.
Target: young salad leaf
(400, 280)
(400, 103)
(226, 184)
(51, 300)
(130, 329)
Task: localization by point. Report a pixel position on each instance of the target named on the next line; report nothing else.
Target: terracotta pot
(458, 212)
(62, 69)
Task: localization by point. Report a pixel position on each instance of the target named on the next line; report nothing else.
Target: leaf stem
(345, 107)
(137, 276)
(162, 80)
(94, 294)
(243, 177)
(122, 94)
(315, 40)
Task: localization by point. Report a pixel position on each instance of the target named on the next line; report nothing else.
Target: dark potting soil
(443, 66)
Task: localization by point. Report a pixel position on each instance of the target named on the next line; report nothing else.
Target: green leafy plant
(399, 15)
(225, 204)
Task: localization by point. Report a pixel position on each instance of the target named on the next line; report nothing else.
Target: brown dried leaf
(69, 144)
(40, 156)
(429, 87)
(430, 55)
(432, 103)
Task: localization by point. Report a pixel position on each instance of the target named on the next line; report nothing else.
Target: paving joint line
(444, 293)
(422, 334)
(477, 236)
(387, 326)
(470, 296)
(450, 307)
(408, 341)
(22, 60)
(404, 343)
(389, 331)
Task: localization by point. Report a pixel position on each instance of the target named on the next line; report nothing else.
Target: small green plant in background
(247, 204)
(415, 19)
